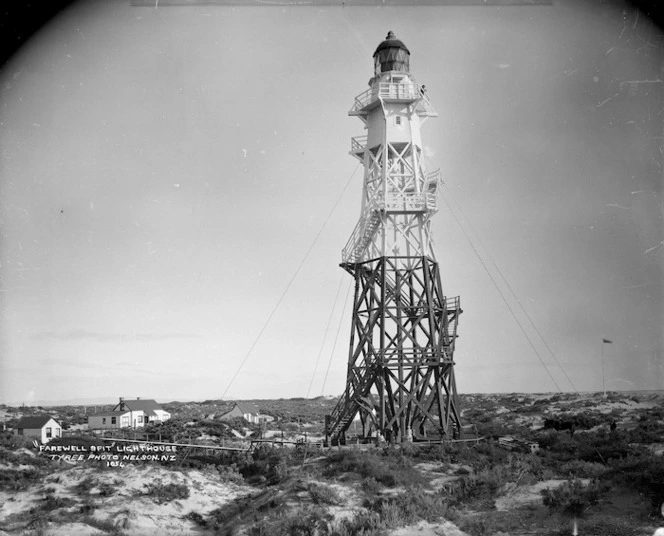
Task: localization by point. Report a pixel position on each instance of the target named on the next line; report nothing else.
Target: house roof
(141, 405)
(32, 423)
(247, 407)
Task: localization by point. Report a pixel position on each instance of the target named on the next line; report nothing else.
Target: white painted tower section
(399, 196)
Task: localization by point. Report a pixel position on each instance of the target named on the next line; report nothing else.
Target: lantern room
(391, 55)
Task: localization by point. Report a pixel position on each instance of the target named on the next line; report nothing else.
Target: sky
(176, 189)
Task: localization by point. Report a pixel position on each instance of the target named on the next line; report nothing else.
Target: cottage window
(140, 418)
(103, 420)
(20, 431)
(114, 420)
(397, 119)
(49, 432)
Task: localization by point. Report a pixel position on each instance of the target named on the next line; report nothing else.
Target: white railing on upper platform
(406, 91)
(407, 202)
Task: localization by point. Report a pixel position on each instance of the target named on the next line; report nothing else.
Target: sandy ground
(129, 506)
(442, 474)
(519, 496)
(424, 528)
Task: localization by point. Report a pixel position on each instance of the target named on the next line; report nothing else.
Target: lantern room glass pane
(391, 59)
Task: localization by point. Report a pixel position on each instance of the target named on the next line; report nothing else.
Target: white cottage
(109, 420)
(248, 412)
(129, 414)
(42, 427)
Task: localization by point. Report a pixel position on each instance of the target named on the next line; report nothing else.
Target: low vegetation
(594, 457)
(574, 498)
(163, 493)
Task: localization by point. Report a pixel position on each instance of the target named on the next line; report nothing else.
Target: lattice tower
(400, 376)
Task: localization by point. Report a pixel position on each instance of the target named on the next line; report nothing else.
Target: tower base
(400, 379)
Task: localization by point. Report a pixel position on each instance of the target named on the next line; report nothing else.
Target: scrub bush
(161, 493)
(388, 469)
(322, 494)
(19, 479)
(573, 498)
(644, 473)
(307, 522)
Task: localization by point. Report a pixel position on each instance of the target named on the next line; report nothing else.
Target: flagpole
(603, 384)
(604, 341)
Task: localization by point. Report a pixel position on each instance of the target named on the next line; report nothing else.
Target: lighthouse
(400, 377)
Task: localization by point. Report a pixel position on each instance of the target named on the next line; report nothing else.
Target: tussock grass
(388, 469)
(85, 485)
(408, 508)
(162, 493)
(382, 514)
(104, 489)
(51, 503)
(269, 465)
(310, 521)
(270, 503)
(106, 526)
(19, 479)
(483, 525)
(322, 494)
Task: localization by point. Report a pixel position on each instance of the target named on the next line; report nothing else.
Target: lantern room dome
(391, 55)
